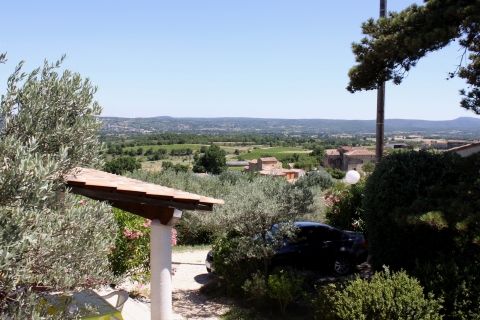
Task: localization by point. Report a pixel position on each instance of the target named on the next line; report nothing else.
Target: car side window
(327, 234)
(312, 235)
(304, 235)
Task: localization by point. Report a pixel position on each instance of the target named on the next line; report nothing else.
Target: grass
(272, 152)
(235, 169)
(157, 165)
(168, 147)
(195, 147)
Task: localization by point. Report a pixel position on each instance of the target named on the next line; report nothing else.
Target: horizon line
(273, 118)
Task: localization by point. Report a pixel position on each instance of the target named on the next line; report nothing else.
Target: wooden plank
(127, 198)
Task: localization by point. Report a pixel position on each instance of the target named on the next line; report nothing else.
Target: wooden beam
(164, 214)
(124, 199)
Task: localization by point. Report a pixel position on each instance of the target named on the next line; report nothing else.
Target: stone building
(348, 158)
(270, 166)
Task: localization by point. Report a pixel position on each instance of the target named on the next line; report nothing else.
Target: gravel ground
(190, 274)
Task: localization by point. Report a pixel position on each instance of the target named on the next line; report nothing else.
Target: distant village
(347, 158)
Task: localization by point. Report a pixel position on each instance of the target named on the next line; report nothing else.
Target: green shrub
(256, 290)
(122, 165)
(336, 173)
(231, 266)
(320, 179)
(344, 206)
(131, 254)
(393, 296)
(247, 244)
(422, 214)
(194, 229)
(168, 165)
(212, 161)
(295, 198)
(49, 238)
(282, 287)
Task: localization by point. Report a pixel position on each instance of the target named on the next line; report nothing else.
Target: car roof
(307, 224)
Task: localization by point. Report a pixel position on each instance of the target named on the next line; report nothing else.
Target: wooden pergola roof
(142, 198)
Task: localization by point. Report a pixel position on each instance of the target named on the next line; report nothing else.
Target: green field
(194, 147)
(168, 147)
(272, 152)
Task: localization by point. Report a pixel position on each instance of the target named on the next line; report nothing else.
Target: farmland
(152, 154)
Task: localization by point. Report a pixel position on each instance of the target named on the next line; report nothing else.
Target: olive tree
(50, 240)
(247, 241)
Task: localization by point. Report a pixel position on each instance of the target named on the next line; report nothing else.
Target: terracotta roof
(332, 152)
(91, 180)
(467, 146)
(360, 152)
(269, 159)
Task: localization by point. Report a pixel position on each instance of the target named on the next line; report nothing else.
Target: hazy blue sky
(207, 58)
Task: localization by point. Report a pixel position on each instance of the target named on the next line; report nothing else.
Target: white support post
(161, 270)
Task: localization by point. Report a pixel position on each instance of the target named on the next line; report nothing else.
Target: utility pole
(380, 130)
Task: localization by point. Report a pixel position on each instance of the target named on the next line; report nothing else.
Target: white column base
(161, 270)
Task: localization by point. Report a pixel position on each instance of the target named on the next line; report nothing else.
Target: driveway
(190, 274)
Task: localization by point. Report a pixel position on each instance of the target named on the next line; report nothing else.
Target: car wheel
(341, 265)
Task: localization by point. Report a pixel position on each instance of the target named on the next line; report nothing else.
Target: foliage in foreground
(201, 227)
(422, 214)
(414, 32)
(282, 288)
(131, 255)
(50, 240)
(246, 241)
(386, 295)
(344, 206)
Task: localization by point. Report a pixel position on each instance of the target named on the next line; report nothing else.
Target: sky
(222, 58)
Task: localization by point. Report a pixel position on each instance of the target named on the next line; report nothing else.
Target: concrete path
(188, 303)
(190, 275)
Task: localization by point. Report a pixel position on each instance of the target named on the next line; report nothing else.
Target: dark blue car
(318, 246)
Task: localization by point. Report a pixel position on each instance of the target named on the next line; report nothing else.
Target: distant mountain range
(462, 127)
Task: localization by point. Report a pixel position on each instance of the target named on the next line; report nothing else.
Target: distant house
(396, 145)
(237, 163)
(348, 158)
(270, 166)
(333, 159)
(466, 150)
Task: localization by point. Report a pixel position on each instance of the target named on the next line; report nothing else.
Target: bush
(282, 287)
(212, 161)
(336, 173)
(49, 238)
(256, 290)
(344, 206)
(232, 267)
(245, 223)
(422, 214)
(385, 296)
(194, 229)
(131, 254)
(168, 165)
(122, 165)
(156, 155)
(295, 198)
(320, 179)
